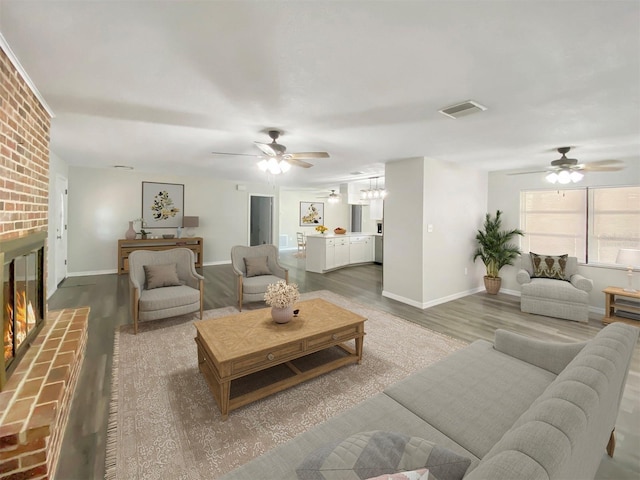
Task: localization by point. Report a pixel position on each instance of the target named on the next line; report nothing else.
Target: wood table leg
(359, 347)
(611, 446)
(225, 392)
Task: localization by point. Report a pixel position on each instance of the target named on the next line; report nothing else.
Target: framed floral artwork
(162, 204)
(311, 214)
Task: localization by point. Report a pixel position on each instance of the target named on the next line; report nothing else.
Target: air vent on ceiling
(462, 109)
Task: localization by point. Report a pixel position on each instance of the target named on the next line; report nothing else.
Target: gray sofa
(518, 408)
(554, 298)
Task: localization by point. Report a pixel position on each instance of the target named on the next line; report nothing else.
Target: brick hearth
(37, 398)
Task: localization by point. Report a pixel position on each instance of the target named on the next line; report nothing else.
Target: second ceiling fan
(274, 157)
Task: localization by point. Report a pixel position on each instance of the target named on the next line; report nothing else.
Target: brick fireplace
(43, 351)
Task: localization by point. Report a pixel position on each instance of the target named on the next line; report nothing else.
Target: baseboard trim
(431, 303)
(91, 272)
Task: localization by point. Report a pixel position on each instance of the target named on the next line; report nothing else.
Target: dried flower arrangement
(281, 294)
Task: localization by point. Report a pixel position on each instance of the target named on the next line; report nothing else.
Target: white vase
(131, 233)
(282, 315)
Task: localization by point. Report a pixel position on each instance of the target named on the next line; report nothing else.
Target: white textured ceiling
(158, 85)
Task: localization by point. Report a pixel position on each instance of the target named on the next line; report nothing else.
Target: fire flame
(25, 319)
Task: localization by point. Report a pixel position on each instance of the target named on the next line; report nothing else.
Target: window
(553, 222)
(591, 224)
(614, 222)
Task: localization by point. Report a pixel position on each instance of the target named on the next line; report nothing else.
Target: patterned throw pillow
(371, 454)
(549, 266)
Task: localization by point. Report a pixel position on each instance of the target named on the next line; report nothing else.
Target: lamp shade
(190, 222)
(629, 257)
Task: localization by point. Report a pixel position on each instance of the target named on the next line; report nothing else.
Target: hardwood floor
(469, 318)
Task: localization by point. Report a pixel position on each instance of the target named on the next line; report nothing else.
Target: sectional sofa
(518, 408)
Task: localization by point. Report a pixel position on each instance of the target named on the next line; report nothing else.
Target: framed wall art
(311, 214)
(162, 204)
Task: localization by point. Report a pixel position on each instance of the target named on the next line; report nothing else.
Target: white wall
(403, 231)
(504, 194)
(103, 201)
(57, 167)
(422, 267)
(335, 214)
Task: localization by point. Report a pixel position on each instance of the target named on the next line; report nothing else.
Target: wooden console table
(631, 304)
(125, 247)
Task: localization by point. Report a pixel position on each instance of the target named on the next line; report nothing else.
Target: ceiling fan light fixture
(263, 165)
(564, 177)
(576, 176)
(284, 166)
(552, 177)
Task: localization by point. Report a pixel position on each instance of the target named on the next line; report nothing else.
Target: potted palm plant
(495, 250)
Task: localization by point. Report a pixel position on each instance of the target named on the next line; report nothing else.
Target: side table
(630, 302)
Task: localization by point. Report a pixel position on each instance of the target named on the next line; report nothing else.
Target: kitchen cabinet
(328, 252)
(361, 249)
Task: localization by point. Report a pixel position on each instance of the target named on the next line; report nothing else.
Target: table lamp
(190, 223)
(630, 258)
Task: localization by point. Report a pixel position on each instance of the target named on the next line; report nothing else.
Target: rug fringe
(110, 462)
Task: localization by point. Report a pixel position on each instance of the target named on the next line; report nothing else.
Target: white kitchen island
(330, 251)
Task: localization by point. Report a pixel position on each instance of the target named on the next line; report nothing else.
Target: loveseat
(557, 291)
(519, 408)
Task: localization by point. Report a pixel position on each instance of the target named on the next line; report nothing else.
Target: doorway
(62, 185)
(260, 220)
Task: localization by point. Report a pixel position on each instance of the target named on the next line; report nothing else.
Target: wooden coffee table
(236, 347)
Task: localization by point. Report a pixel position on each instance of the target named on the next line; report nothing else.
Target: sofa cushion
(368, 454)
(450, 394)
(256, 266)
(161, 275)
(549, 266)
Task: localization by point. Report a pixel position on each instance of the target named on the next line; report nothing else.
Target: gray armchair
(255, 268)
(164, 284)
(567, 299)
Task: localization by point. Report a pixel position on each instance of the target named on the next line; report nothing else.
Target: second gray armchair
(255, 268)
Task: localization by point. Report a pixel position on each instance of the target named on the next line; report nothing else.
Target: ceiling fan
(566, 170)
(274, 157)
(333, 197)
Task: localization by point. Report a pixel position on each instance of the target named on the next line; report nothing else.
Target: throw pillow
(161, 276)
(549, 266)
(256, 266)
(370, 454)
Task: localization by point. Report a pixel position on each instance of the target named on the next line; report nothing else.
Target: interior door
(261, 220)
(61, 229)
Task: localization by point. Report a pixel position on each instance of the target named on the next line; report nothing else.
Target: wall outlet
(466, 270)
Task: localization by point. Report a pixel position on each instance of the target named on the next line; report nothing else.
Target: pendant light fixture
(373, 193)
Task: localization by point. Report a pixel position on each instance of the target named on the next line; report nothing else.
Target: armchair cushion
(256, 266)
(161, 276)
(549, 266)
(581, 283)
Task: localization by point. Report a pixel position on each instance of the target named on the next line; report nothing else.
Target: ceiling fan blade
(604, 166)
(299, 155)
(266, 148)
(299, 163)
(526, 173)
(236, 154)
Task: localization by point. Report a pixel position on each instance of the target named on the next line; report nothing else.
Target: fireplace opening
(23, 298)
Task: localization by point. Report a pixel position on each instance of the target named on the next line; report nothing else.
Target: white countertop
(348, 234)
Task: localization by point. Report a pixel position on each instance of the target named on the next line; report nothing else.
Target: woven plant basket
(492, 284)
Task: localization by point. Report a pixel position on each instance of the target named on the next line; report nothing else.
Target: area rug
(165, 424)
